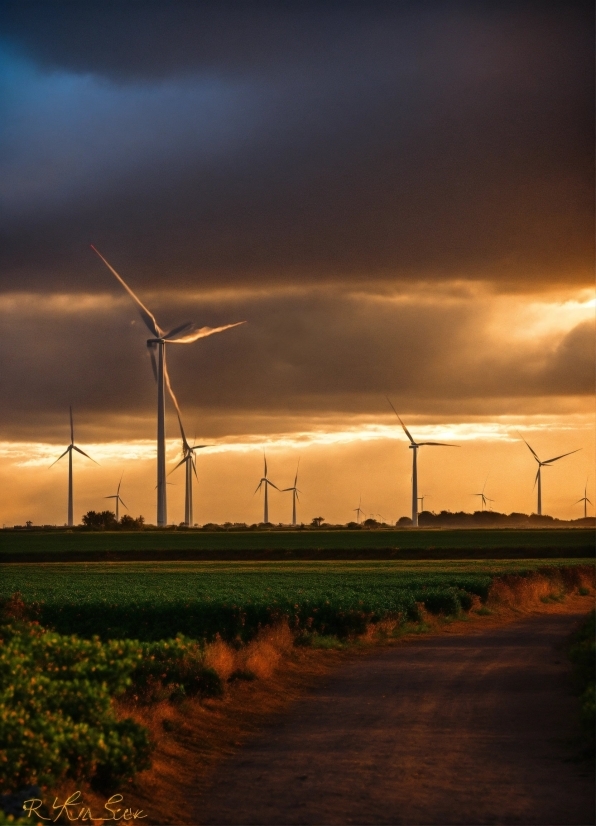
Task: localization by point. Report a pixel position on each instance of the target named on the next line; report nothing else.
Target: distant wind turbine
(190, 462)
(183, 334)
(118, 499)
(295, 492)
(266, 482)
(547, 463)
(69, 450)
(484, 499)
(421, 500)
(358, 511)
(414, 448)
(585, 500)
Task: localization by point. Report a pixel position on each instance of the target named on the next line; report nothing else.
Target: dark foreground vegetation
(62, 546)
(582, 655)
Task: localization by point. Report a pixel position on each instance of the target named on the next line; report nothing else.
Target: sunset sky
(398, 199)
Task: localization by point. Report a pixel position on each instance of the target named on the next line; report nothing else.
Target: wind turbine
(188, 459)
(183, 334)
(546, 463)
(69, 450)
(421, 500)
(585, 500)
(295, 492)
(266, 482)
(358, 511)
(483, 497)
(414, 448)
(118, 499)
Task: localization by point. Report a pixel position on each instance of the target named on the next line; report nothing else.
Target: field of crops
(155, 601)
(62, 546)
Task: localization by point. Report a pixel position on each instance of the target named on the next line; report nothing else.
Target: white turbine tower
(414, 448)
(118, 499)
(190, 462)
(266, 482)
(585, 500)
(69, 450)
(295, 493)
(183, 334)
(546, 463)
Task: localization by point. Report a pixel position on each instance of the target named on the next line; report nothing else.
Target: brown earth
(471, 728)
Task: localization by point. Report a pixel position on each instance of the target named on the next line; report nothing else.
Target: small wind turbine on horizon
(118, 499)
(295, 492)
(266, 482)
(182, 334)
(546, 463)
(414, 448)
(585, 500)
(358, 511)
(483, 498)
(190, 462)
(421, 500)
(69, 450)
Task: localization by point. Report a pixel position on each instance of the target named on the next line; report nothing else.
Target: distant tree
(128, 523)
(100, 520)
(317, 521)
(403, 522)
(29, 523)
(370, 523)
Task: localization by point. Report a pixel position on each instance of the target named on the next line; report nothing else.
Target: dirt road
(468, 729)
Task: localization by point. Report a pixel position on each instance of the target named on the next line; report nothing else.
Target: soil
(475, 725)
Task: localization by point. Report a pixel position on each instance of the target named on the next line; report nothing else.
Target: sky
(398, 199)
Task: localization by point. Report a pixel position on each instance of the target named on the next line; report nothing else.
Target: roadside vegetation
(582, 655)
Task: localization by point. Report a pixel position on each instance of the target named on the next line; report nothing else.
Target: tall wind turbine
(266, 482)
(183, 334)
(190, 462)
(69, 450)
(295, 492)
(414, 448)
(118, 499)
(483, 498)
(547, 463)
(585, 500)
(358, 511)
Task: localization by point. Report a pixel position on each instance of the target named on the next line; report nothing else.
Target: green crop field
(380, 544)
(157, 600)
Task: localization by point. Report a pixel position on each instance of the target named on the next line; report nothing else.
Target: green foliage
(56, 716)
(583, 656)
(155, 603)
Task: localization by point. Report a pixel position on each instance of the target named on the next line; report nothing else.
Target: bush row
(583, 656)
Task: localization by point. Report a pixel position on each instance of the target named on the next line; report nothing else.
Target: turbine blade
(436, 444)
(534, 454)
(203, 332)
(181, 462)
(177, 331)
(185, 444)
(536, 477)
(548, 461)
(82, 452)
(151, 345)
(406, 431)
(271, 483)
(258, 487)
(169, 386)
(146, 315)
(265, 460)
(193, 464)
(119, 483)
(71, 427)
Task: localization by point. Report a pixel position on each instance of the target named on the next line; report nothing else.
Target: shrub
(583, 656)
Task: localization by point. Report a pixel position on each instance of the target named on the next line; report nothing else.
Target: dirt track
(468, 729)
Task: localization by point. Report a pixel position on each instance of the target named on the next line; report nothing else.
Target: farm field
(152, 601)
(380, 544)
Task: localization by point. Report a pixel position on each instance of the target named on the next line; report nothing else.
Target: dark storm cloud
(283, 143)
(299, 355)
